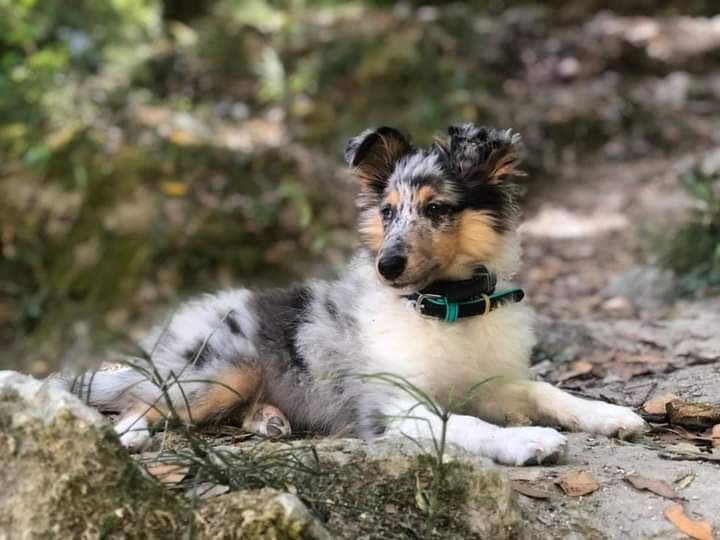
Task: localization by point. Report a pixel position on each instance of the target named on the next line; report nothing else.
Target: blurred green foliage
(693, 250)
(153, 148)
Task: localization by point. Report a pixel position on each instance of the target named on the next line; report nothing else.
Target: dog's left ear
(482, 154)
(372, 156)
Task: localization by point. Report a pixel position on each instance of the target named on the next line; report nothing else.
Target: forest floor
(611, 328)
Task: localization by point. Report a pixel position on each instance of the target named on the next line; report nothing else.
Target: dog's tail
(110, 391)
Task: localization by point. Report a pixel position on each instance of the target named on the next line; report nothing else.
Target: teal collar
(453, 300)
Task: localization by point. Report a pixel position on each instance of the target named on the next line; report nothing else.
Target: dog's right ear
(372, 156)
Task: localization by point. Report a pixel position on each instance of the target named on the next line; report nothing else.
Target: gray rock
(64, 475)
(46, 400)
(264, 513)
(365, 486)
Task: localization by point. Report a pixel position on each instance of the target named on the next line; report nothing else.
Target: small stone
(619, 306)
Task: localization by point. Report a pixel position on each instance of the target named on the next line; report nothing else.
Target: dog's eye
(387, 212)
(436, 210)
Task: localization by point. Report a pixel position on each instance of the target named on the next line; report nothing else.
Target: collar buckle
(418, 303)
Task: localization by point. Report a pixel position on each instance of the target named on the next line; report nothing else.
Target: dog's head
(436, 213)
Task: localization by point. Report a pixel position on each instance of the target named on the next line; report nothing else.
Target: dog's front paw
(133, 432)
(528, 446)
(613, 421)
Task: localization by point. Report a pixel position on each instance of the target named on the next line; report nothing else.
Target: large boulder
(385, 488)
(64, 475)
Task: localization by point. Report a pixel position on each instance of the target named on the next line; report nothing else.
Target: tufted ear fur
(372, 156)
(481, 154)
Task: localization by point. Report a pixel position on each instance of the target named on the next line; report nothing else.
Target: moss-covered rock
(65, 476)
(264, 513)
(389, 488)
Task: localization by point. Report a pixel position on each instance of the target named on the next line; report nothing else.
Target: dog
(422, 323)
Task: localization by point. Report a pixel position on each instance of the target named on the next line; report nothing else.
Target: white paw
(133, 432)
(611, 420)
(528, 446)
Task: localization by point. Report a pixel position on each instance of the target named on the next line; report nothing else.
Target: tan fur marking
(371, 230)
(425, 194)
(444, 248)
(476, 236)
(152, 413)
(503, 166)
(232, 387)
(474, 241)
(393, 198)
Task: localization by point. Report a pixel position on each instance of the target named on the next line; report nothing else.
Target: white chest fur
(445, 359)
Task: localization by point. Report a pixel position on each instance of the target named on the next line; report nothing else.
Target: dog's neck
(504, 263)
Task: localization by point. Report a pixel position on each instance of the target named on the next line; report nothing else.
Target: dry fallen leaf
(575, 369)
(715, 435)
(658, 487)
(699, 530)
(655, 407)
(693, 415)
(169, 473)
(541, 490)
(578, 483)
(680, 434)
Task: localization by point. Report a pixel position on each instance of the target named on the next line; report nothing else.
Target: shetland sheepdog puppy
(423, 320)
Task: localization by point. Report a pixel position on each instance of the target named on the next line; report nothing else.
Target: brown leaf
(169, 473)
(715, 435)
(697, 529)
(575, 369)
(540, 490)
(626, 366)
(658, 487)
(689, 452)
(677, 434)
(693, 415)
(656, 406)
(578, 483)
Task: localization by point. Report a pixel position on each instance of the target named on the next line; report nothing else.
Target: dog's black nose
(391, 266)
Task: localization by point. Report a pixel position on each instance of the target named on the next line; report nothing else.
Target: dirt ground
(610, 329)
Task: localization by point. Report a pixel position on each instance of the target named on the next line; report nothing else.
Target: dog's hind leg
(189, 400)
(545, 404)
(266, 420)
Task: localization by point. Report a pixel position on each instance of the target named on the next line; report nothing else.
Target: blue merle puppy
(426, 300)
